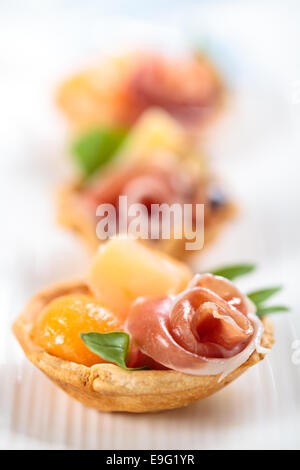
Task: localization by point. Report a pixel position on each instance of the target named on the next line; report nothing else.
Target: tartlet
(157, 162)
(73, 216)
(107, 387)
(117, 90)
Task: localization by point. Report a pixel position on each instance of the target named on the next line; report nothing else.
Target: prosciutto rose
(210, 328)
(154, 183)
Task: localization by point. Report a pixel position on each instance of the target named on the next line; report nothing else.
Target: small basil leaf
(95, 148)
(233, 271)
(112, 347)
(262, 311)
(261, 295)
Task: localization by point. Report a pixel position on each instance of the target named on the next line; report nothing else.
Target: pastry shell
(107, 387)
(72, 215)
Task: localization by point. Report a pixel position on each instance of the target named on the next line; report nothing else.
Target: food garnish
(260, 296)
(93, 149)
(231, 272)
(113, 347)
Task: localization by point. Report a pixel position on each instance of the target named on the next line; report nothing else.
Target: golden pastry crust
(72, 215)
(107, 387)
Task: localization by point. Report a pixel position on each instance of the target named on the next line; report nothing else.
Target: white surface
(256, 147)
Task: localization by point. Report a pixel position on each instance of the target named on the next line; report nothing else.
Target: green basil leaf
(261, 295)
(262, 311)
(112, 347)
(233, 271)
(95, 148)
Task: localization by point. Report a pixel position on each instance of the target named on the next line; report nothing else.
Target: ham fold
(142, 183)
(152, 183)
(208, 329)
(187, 89)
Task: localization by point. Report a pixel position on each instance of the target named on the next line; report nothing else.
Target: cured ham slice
(210, 328)
(145, 184)
(150, 184)
(223, 288)
(187, 89)
(137, 359)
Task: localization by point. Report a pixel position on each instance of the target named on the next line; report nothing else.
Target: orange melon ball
(57, 329)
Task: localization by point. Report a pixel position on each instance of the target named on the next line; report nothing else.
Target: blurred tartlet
(118, 90)
(157, 163)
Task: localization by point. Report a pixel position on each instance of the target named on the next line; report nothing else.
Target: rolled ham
(142, 183)
(208, 329)
(187, 89)
(148, 184)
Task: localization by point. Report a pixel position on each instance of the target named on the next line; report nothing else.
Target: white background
(255, 147)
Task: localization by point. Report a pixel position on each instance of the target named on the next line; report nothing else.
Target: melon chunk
(124, 269)
(155, 131)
